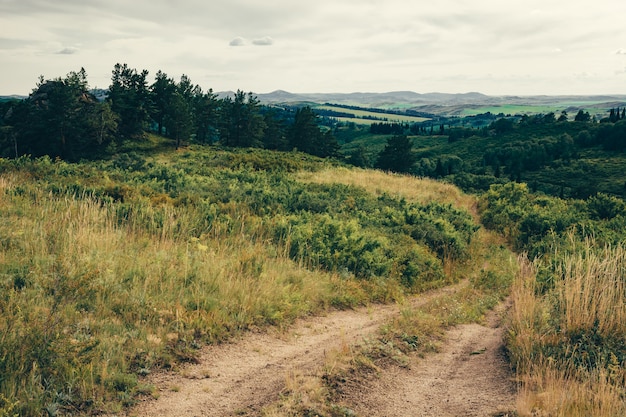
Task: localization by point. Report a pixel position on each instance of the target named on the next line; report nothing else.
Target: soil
(468, 377)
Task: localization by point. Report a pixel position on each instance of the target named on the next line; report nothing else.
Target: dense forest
(63, 118)
(574, 158)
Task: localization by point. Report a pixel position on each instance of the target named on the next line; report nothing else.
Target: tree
(549, 118)
(327, 145)
(103, 124)
(275, 134)
(130, 99)
(306, 135)
(242, 124)
(206, 116)
(582, 116)
(359, 157)
(502, 126)
(161, 92)
(178, 119)
(61, 119)
(397, 155)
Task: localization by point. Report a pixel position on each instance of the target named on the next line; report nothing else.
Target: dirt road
(468, 377)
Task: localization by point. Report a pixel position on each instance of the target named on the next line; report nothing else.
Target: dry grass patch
(568, 345)
(420, 190)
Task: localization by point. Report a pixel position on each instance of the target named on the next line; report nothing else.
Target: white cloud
(326, 45)
(264, 41)
(67, 51)
(238, 41)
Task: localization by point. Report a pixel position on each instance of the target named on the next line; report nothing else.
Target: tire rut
(241, 377)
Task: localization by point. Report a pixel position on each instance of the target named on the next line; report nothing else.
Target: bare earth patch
(468, 377)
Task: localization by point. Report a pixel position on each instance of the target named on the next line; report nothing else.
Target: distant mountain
(12, 97)
(374, 99)
(409, 98)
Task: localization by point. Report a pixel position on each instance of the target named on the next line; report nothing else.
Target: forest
(574, 158)
(63, 119)
(141, 225)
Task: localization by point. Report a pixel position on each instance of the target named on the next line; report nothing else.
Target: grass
(569, 345)
(87, 301)
(112, 269)
(487, 277)
(419, 190)
(360, 116)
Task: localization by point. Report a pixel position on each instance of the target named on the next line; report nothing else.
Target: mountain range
(417, 99)
(433, 102)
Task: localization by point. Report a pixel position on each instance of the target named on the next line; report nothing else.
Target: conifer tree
(397, 155)
(130, 99)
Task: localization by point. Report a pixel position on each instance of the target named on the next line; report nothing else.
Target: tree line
(554, 153)
(63, 118)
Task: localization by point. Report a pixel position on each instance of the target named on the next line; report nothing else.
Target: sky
(494, 47)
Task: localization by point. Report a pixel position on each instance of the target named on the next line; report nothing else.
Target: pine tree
(397, 155)
(306, 135)
(130, 99)
(242, 123)
(62, 119)
(161, 92)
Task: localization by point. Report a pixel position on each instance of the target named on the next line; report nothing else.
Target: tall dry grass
(568, 344)
(92, 295)
(420, 190)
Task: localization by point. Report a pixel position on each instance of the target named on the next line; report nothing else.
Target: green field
(362, 116)
(594, 108)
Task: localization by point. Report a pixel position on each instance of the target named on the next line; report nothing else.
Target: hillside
(564, 158)
(115, 269)
(127, 254)
(120, 269)
(448, 104)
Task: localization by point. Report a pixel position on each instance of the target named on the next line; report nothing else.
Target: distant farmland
(599, 109)
(366, 117)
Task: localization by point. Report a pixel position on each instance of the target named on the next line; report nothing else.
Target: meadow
(368, 117)
(111, 270)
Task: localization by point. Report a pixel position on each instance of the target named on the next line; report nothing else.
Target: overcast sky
(491, 46)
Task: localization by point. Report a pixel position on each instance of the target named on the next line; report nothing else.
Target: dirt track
(468, 377)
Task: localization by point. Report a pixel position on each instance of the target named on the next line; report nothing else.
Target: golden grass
(416, 330)
(419, 190)
(589, 297)
(593, 290)
(104, 294)
(547, 391)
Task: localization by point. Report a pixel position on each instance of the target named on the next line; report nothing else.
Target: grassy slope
(486, 276)
(362, 116)
(111, 269)
(592, 169)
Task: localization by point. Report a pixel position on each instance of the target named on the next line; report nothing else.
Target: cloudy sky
(455, 46)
